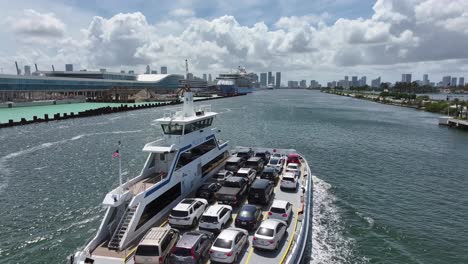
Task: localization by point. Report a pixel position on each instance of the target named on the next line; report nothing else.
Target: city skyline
(373, 38)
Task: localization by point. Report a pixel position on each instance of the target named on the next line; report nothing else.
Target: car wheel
(277, 244)
(236, 258)
(195, 222)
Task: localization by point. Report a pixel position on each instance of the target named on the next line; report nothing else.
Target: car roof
(262, 151)
(235, 179)
(279, 204)
(222, 172)
(214, 209)
(248, 207)
(270, 223)
(228, 234)
(183, 205)
(268, 169)
(293, 155)
(244, 170)
(233, 159)
(289, 174)
(260, 183)
(188, 239)
(254, 159)
(293, 164)
(154, 235)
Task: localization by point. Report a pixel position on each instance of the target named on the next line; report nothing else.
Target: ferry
(236, 83)
(187, 156)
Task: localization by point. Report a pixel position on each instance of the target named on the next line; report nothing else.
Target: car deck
(249, 254)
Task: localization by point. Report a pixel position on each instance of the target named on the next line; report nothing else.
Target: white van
(156, 245)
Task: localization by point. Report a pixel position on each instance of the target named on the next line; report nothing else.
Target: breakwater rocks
(95, 112)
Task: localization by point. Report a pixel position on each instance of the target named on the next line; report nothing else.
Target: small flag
(116, 154)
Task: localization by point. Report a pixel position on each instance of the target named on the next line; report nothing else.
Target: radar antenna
(186, 87)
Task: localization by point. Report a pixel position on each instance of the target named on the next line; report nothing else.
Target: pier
(453, 122)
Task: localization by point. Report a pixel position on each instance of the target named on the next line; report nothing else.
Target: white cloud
(33, 26)
(400, 32)
(181, 12)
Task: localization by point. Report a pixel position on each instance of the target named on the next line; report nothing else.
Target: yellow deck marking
(249, 255)
(163, 223)
(129, 255)
(291, 240)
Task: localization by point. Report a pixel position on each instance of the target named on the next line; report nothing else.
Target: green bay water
(16, 113)
(390, 187)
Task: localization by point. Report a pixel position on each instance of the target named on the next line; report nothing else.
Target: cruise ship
(236, 83)
(188, 155)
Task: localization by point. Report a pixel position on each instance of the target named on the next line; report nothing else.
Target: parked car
(270, 174)
(248, 217)
(247, 173)
(156, 245)
(261, 191)
(255, 163)
(216, 217)
(193, 247)
(293, 158)
(276, 163)
(234, 164)
(222, 175)
(208, 190)
(289, 181)
(228, 245)
(265, 155)
(233, 192)
(269, 234)
(294, 167)
(187, 212)
(245, 153)
(281, 210)
(278, 155)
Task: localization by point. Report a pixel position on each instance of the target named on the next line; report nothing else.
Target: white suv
(187, 212)
(281, 210)
(288, 181)
(216, 217)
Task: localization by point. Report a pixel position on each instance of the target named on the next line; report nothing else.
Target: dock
(453, 122)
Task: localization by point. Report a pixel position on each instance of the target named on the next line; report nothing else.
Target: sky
(319, 40)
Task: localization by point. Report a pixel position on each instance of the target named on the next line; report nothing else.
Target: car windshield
(265, 231)
(232, 184)
(209, 219)
(246, 213)
(143, 250)
(251, 164)
(277, 210)
(292, 166)
(231, 164)
(177, 213)
(181, 251)
(223, 243)
(274, 161)
(288, 179)
(242, 174)
(219, 175)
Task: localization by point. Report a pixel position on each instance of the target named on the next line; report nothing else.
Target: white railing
(203, 108)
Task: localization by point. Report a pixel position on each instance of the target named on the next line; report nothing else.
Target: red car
(294, 158)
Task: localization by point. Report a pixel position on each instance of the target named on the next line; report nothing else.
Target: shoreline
(98, 111)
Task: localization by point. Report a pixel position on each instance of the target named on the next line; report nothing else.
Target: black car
(261, 191)
(271, 174)
(208, 191)
(249, 217)
(245, 154)
(193, 247)
(265, 155)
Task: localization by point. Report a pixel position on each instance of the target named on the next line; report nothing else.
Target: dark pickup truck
(233, 191)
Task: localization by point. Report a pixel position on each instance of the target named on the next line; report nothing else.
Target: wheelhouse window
(172, 129)
(194, 153)
(189, 128)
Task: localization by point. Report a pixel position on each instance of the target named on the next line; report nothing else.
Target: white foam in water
(329, 245)
(5, 172)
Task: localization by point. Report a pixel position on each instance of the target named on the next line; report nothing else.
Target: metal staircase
(121, 228)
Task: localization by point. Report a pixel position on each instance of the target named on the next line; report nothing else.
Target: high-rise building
(154, 72)
(446, 80)
(363, 81)
(272, 81)
(148, 70)
(163, 70)
(189, 76)
(425, 79)
(346, 78)
(354, 81)
(278, 80)
(209, 77)
(27, 70)
(69, 67)
(461, 81)
(103, 70)
(314, 84)
(303, 84)
(406, 78)
(204, 77)
(263, 79)
(376, 83)
(270, 78)
(131, 72)
(453, 82)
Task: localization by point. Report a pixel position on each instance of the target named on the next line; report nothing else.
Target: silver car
(228, 245)
(269, 234)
